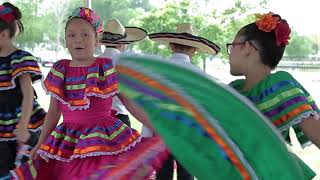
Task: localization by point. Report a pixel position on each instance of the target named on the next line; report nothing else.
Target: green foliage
(301, 46)
(33, 22)
(125, 10)
(44, 22)
(165, 20)
(219, 28)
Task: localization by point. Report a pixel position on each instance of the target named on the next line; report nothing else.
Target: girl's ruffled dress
(12, 67)
(90, 143)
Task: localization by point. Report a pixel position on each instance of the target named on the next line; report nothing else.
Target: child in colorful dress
(255, 52)
(89, 139)
(19, 112)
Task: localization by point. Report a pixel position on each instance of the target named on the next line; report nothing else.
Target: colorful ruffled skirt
(10, 113)
(95, 150)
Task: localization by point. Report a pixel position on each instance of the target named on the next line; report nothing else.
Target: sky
(302, 15)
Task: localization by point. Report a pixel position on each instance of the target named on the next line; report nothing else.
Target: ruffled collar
(73, 86)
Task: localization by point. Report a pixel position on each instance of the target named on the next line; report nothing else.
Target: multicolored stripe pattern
(162, 91)
(72, 140)
(208, 127)
(11, 67)
(16, 64)
(26, 171)
(73, 85)
(102, 137)
(9, 121)
(137, 164)
(283, 100)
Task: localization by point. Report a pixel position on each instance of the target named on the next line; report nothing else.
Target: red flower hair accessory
(268, 22)
(282, 32)
(6, 14)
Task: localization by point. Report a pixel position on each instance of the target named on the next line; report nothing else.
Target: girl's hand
(33, 152)
(22, 134)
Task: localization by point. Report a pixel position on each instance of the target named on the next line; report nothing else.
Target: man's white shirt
(114, 54)
(180, 58)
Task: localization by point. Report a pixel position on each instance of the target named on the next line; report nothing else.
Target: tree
(124, 10)
(160, 20)
(316, 39)
(44, 24)
(60, 10)
(33, 22)
(301, 46)
(219, 28)
(144, 4)
(44, 21)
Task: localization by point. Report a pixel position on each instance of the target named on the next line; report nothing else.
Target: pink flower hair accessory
(282, 32)
(91, 16)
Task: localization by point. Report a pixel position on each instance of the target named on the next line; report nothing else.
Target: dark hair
(269, 51)
(182, 47)
(12, 26)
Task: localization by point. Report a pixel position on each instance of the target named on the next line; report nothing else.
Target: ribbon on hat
(109, 36)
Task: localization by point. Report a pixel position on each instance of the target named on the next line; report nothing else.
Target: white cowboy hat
(187, 35)
(115, 33)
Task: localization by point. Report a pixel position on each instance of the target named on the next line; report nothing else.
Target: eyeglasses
(231, 45)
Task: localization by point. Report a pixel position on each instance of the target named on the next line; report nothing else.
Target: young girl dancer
(255, 52)
(89, 139)
(19, 112)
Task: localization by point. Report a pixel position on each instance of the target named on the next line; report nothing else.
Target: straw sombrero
(115, 33)
(187, 35)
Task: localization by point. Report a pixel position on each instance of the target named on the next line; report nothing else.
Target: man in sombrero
(183, 43)
(115, 37)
